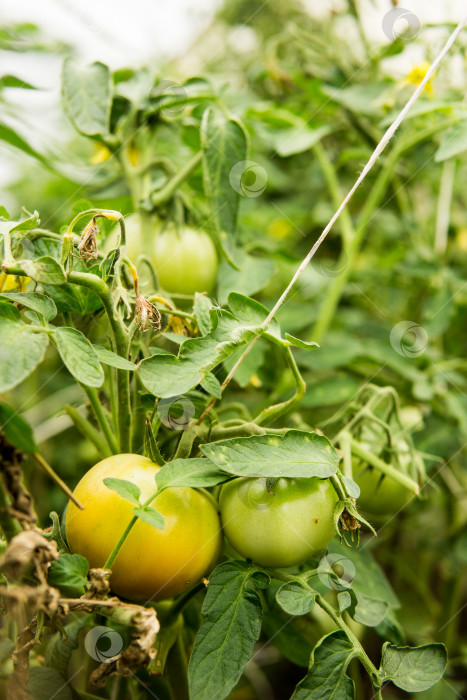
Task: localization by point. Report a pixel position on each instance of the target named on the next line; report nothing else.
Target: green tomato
(185, 260)
(281, 526)
(380, 495)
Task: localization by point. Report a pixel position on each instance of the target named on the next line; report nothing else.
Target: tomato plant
(278, 524)
(185, 330)
(154, 561)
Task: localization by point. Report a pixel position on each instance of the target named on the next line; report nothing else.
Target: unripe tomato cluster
(273, 524)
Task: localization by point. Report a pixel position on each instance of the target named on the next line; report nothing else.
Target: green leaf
(252, 275)
(212, 385)
(151, 448)
(69, 574)
(45, 270)
(295, 598)
(288, 637)
(107, 357)
(21, 350)
(11, 81)
(9, 311)
(413, 669)
(202, 308)
(327, 675)
(60, 647)
(250, 365)
(288, 142)
(307, 344)
(295, 454)
(254, 313)
(126, 489)
(10, 136)
(224, 143)
(231, 625)
(366, 610)
(197, 472)
(79, 356)
(369, 579)
(168, 375)
(47, 683)
(27, 224)
(353, 489)
(454, 142)
(40, 303)
(365, 98)
(87, 92)
(150, 516)
(17, 429)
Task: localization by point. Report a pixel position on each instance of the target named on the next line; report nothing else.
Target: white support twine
(372, 160)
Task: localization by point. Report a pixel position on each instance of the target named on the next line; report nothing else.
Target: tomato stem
(273, 412)
(383, 467)
(126, 532)
(163, 195)
(349, 254)
(94, 400)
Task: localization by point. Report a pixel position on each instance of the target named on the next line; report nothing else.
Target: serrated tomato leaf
(21, 350)
(413, 669)
(79, 356)
(327, 675)
(295, 454)
(197, 472)
(69, 574)
(231, 625)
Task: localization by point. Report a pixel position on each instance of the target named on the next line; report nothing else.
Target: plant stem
(383, 467)
(121, 339)
(163, 195)
(88, 430)
(348, 256)
(126, 532)
(48, 469)
(273, 412)
(104, 424)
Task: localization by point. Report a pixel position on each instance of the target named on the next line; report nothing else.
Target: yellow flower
(416, 75)
(101, 154)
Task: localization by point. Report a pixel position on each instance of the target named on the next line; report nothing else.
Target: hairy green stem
(163, 195)
(273, 412)
(126, 532)
(383, 467)
(121, 339)
(88, 430)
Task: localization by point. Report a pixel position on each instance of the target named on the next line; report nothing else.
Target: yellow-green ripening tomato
(152, 564)
(185, 260)
(281, 526)
(380, 495)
